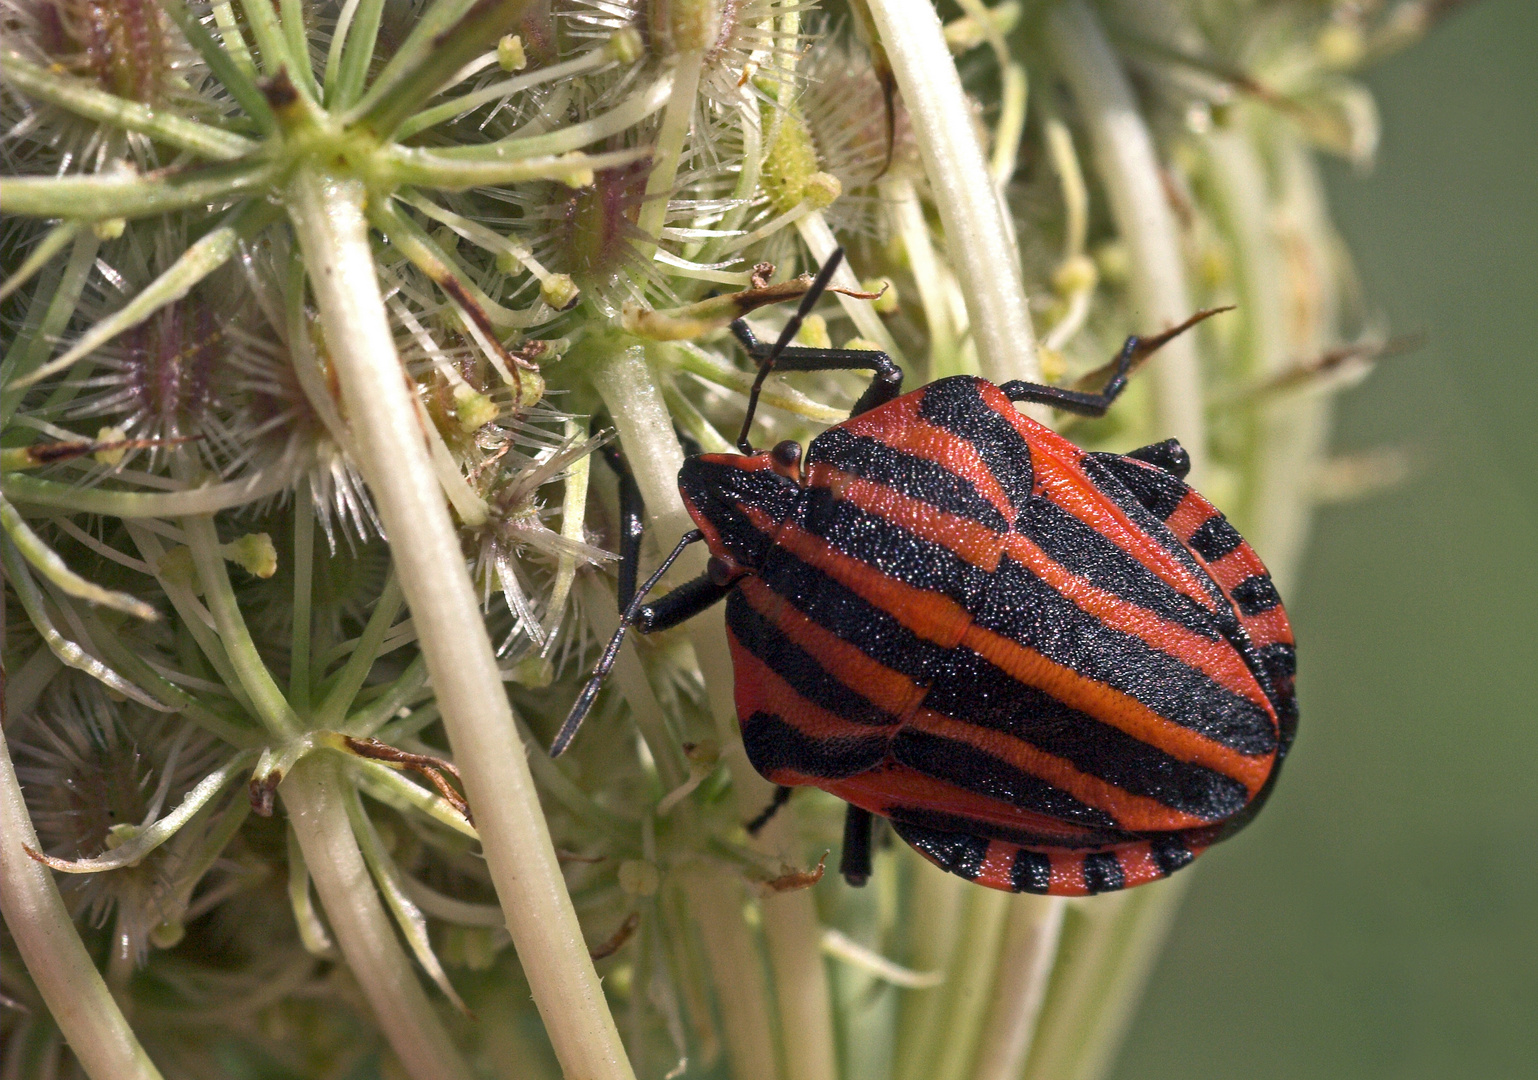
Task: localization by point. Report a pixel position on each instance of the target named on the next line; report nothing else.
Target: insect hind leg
(1133, 352)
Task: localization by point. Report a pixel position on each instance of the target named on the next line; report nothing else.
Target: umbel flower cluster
(316, 316)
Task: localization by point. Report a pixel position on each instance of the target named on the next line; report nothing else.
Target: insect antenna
(584, 703)
(766, 365)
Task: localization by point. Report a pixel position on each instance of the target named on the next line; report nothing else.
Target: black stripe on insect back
(916, 477)
(772, 745)
(1027, 610)
(1031, 872)
(956, 404)
(850, 617)
(960, 853)
(977, 770)
(1169, 853)
(797, 667)
(1215, 538)
(975, 691)
(1255, 594)
(1156, 490)
(890, 549)
(1082, 551)
(1103, 873)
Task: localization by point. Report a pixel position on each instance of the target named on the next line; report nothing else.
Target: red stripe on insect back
(1130, 811)
(892, 787)
(997, 870)
(883, 687)
(1115, 708)
(900, 426)
(982, 547)
(759, 689)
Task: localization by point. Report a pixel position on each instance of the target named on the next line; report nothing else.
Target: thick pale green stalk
(1109, 947)
(315, 797)
(330, 221)
(1025, 964)
(39, 923)
(715, 902)
(979, 237)
(1129, 168)
(793, 935)
(969, 983)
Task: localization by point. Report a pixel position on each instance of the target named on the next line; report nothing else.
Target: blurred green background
(1381, 918)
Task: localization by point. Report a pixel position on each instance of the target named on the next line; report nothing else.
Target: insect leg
(584, 702)
(631, 526)
(1133, 353)
(885, 385)
(854, 864)
(766, 359)
(782, 796)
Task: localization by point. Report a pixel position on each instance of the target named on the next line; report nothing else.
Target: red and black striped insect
(1052, 671)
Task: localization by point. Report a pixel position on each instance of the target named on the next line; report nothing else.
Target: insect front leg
(672, 608)
(886, 382)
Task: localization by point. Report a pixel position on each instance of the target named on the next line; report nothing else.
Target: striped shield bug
(1052, 671)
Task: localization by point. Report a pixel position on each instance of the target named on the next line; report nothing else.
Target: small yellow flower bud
(560, 291)
(814, 333)
(1053, 366)
(510, 54)
(822, 189)
(110, 435)
(626, 46)
(534, 672)
(109, 229)
(1340, 45)
(1113, 261)
(862, 344)
(169, 934)
(1075, 275)
(177, 568)
(472, 409)
(254, 553)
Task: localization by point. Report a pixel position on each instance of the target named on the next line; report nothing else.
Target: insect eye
(719, 571)
(786, 454)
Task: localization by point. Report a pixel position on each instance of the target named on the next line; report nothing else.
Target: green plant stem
(270, 704)
(715, 902)
(39, 923)
(1108, 948)
(315, 795)
(329, 218)
(1026, 955)
(131, 196)
(793, 935)
(145, 504)
(162, 125)
(1128, 166)
(978, 235)
(969, 983)
(934, 902)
